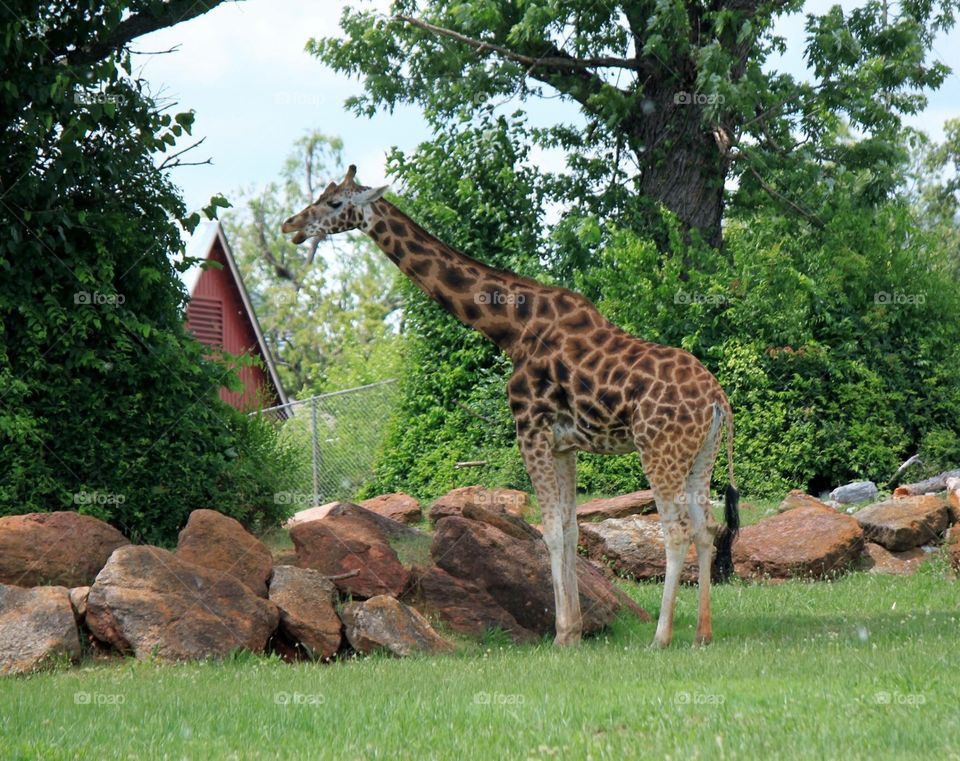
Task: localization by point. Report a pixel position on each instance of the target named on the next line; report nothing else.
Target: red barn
(220, 314)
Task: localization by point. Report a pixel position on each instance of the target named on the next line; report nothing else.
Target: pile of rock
(358, 581)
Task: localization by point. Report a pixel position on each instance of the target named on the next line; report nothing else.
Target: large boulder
(308, 613)
(510, 501)
(65, 548)
(383, 623)
(635, 503)
(858, 491)
(798, 498)
(633, 547)
(397, 506)
(462, 605)
(879, 560)
(36, 625)
(356, 548)
(900, 524)
(220, 543)
(806, 542)
(514, 568)
(150, 602)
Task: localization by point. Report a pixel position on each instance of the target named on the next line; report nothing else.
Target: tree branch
(148, 20)
(554, 58)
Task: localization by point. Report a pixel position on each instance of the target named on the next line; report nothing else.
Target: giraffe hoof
(566, 640)
(660, 644)
(702, 640)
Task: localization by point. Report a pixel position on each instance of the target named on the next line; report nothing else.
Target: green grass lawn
(864, 667)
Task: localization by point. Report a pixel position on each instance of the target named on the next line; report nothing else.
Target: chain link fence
(340, 434)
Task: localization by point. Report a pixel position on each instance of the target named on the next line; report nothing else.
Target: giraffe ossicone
(579, 383)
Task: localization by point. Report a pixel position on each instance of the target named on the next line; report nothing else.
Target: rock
(65, 548)
(383, 623)
(78, 599)
(877, 559)
(516, 573)
(150, 602)
(952, 546)
(398, 506)
(635, 503)
(463, 606)
(390, 528)
(308, 613)
(497, 500)
(953, 499)
(310, 514)
(806, 542)
(900, 524)
(928, 486)
(634, 547)
(351, 544)
(36, 624)
(798, 498)
(220, 543)
(858, 491)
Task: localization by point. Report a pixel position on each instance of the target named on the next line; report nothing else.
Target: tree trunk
(682, 165)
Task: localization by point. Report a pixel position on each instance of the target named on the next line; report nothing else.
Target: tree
(106, 405)
(330, 310)
(675, 96)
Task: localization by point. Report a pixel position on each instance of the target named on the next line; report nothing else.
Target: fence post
(316, 452)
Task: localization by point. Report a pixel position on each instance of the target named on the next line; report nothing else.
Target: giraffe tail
(723, 564)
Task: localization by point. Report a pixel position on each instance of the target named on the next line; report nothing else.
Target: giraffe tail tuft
(723, 563)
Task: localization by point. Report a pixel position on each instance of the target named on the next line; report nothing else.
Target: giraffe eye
(335, 204)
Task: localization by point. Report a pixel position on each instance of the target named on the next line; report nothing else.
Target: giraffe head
(339, 208)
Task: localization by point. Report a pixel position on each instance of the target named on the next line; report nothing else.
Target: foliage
(328, 310)
(106, 405)
(668, 100)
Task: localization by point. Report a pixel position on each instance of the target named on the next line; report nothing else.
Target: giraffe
(578, 383)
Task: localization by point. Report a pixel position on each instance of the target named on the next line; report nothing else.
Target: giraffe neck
(495, 302)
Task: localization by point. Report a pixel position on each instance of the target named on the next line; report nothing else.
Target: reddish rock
(633, 547)
(220, 543)
(953, 499)
(462, 605)
(806, 542)
(36, 624)
(397, 506)
(496, 500)
(344, 544)
(64, 548)
(635, 503)
(515, 571)
(78, 599)
(390, 528)
(308, 613)
(904, 523)
(383, 623)
(310, 514)
(877, 559)
(150, 602)
(798, 498)
(952, 546)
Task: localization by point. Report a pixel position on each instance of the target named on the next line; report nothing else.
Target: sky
(242, 67)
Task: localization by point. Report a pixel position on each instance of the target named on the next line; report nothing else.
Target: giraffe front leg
(553, 476)
(677, 540)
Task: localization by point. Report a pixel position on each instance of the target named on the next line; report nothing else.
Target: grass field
(863, 667)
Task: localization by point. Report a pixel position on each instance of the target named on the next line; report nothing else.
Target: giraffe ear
(370, 195)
